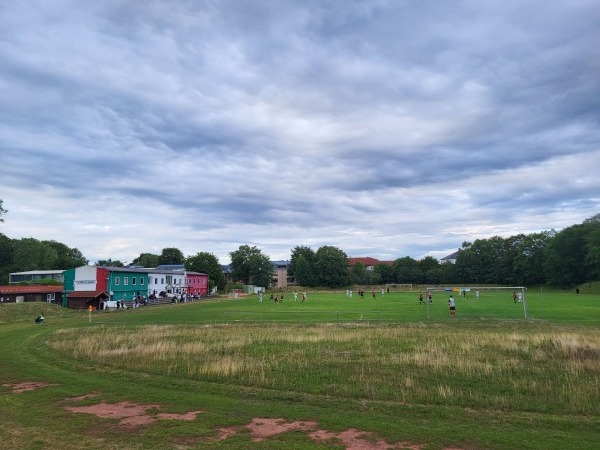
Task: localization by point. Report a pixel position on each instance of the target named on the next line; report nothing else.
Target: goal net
(398, 287)
(502, 302)
(236, 293)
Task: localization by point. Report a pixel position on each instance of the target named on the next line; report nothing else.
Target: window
(126, 281)
(142, 280)
(117, 281)
(162, 281)
(133, 281)
(156, 281)
(50, 297)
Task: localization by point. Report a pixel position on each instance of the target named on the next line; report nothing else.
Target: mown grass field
(406, 373)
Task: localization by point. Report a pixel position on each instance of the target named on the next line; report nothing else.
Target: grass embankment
(27, 312)
(590, 288)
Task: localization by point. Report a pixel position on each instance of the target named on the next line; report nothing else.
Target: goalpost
(516, 294)
(399, 287)
(236, 293)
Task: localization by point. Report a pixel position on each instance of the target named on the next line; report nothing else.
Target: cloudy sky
(387, 128)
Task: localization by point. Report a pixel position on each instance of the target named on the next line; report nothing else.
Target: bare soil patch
(131, 414)
(357, 440)
(352, 439)
(82, 397)
(262, 429)
(27, 386)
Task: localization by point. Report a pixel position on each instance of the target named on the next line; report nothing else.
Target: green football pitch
(395, 307)
(329, 373)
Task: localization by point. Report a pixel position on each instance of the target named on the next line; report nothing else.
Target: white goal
(489, 297)
(236, 293)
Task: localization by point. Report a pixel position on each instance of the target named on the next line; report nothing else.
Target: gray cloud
(384, 128)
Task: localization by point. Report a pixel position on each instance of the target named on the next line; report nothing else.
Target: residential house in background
(451, 258)
(175, 280)
(281, 278)
(89, 285)
(368, 262)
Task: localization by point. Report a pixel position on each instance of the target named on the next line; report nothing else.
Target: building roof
(170, 267)
(87, 294)
(38, 272)
(121, 269)
(451, 256)
(175, 269)
(16, 289)
(368, 262)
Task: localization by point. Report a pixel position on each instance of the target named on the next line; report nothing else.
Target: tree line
(563, 259)
(20, 255)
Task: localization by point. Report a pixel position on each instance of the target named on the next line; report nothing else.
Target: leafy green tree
(407, 270)
(565, 257)
(493, 260)
(505, 265)
(18, 255)
(593, 253)
(592, 238)
(448, 273)
(171, 255)
(373, 277)
(430, 270)
(32, 254)
(250, 266)
(307, 252)
(434, 276)
(528, 260)
(358, 274)
(2, 211)
(428, 263)
(331, 266)
(146, 260)
(109, 263)
(464, 270)
(591, 220)
(6, 258)
(67, 257)
(302, 266)
(385, 273)
(208, 263)
(482, 261)
(261, 270)
(304, 273)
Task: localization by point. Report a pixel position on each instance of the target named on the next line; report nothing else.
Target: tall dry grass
(553, 370)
